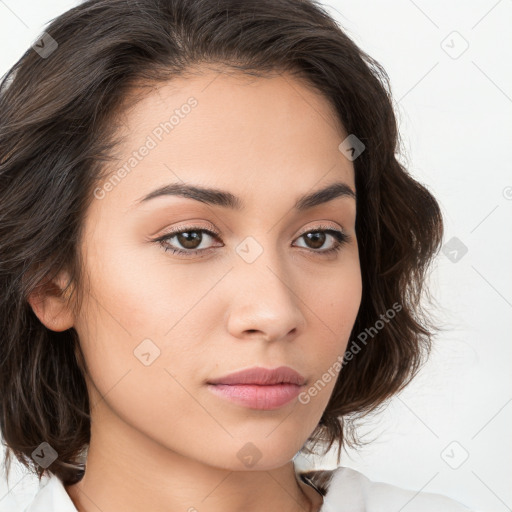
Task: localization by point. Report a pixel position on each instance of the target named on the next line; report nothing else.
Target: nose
(263, 301)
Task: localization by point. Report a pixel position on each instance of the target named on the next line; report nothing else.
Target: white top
(348, 491)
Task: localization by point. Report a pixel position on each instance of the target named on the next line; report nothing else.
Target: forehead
(232, 95)
(228, 130)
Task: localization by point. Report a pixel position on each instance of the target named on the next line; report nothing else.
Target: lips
(262, 377)
(259, 388)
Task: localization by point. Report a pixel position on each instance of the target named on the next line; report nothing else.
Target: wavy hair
(58, 115)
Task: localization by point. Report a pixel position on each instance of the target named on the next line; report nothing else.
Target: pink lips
(259, 388)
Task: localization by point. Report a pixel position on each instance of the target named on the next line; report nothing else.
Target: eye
(192, 237)
(319, 235)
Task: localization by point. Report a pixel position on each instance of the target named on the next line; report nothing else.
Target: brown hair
(57, 130)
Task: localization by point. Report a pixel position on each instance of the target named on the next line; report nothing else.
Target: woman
(203, 219)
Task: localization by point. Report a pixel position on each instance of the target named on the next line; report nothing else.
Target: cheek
(335, 306)
(334, 301)
(136, 372)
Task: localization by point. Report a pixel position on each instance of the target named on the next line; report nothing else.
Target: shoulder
(51, 496)
(355, 492)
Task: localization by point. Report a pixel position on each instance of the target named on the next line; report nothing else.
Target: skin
(160, 440)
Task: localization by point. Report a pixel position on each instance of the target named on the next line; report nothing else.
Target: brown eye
(316, 238)
(187, 240)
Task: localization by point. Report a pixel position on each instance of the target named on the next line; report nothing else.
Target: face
(259, 284)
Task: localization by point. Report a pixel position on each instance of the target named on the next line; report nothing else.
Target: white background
(455, 114)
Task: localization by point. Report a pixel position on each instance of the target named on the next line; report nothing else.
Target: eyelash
(340, 239)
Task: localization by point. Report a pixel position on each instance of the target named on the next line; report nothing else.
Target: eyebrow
(216, 197)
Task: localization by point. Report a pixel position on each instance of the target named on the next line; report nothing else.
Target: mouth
(259, 388)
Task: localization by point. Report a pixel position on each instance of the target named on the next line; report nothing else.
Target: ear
(51, 305)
